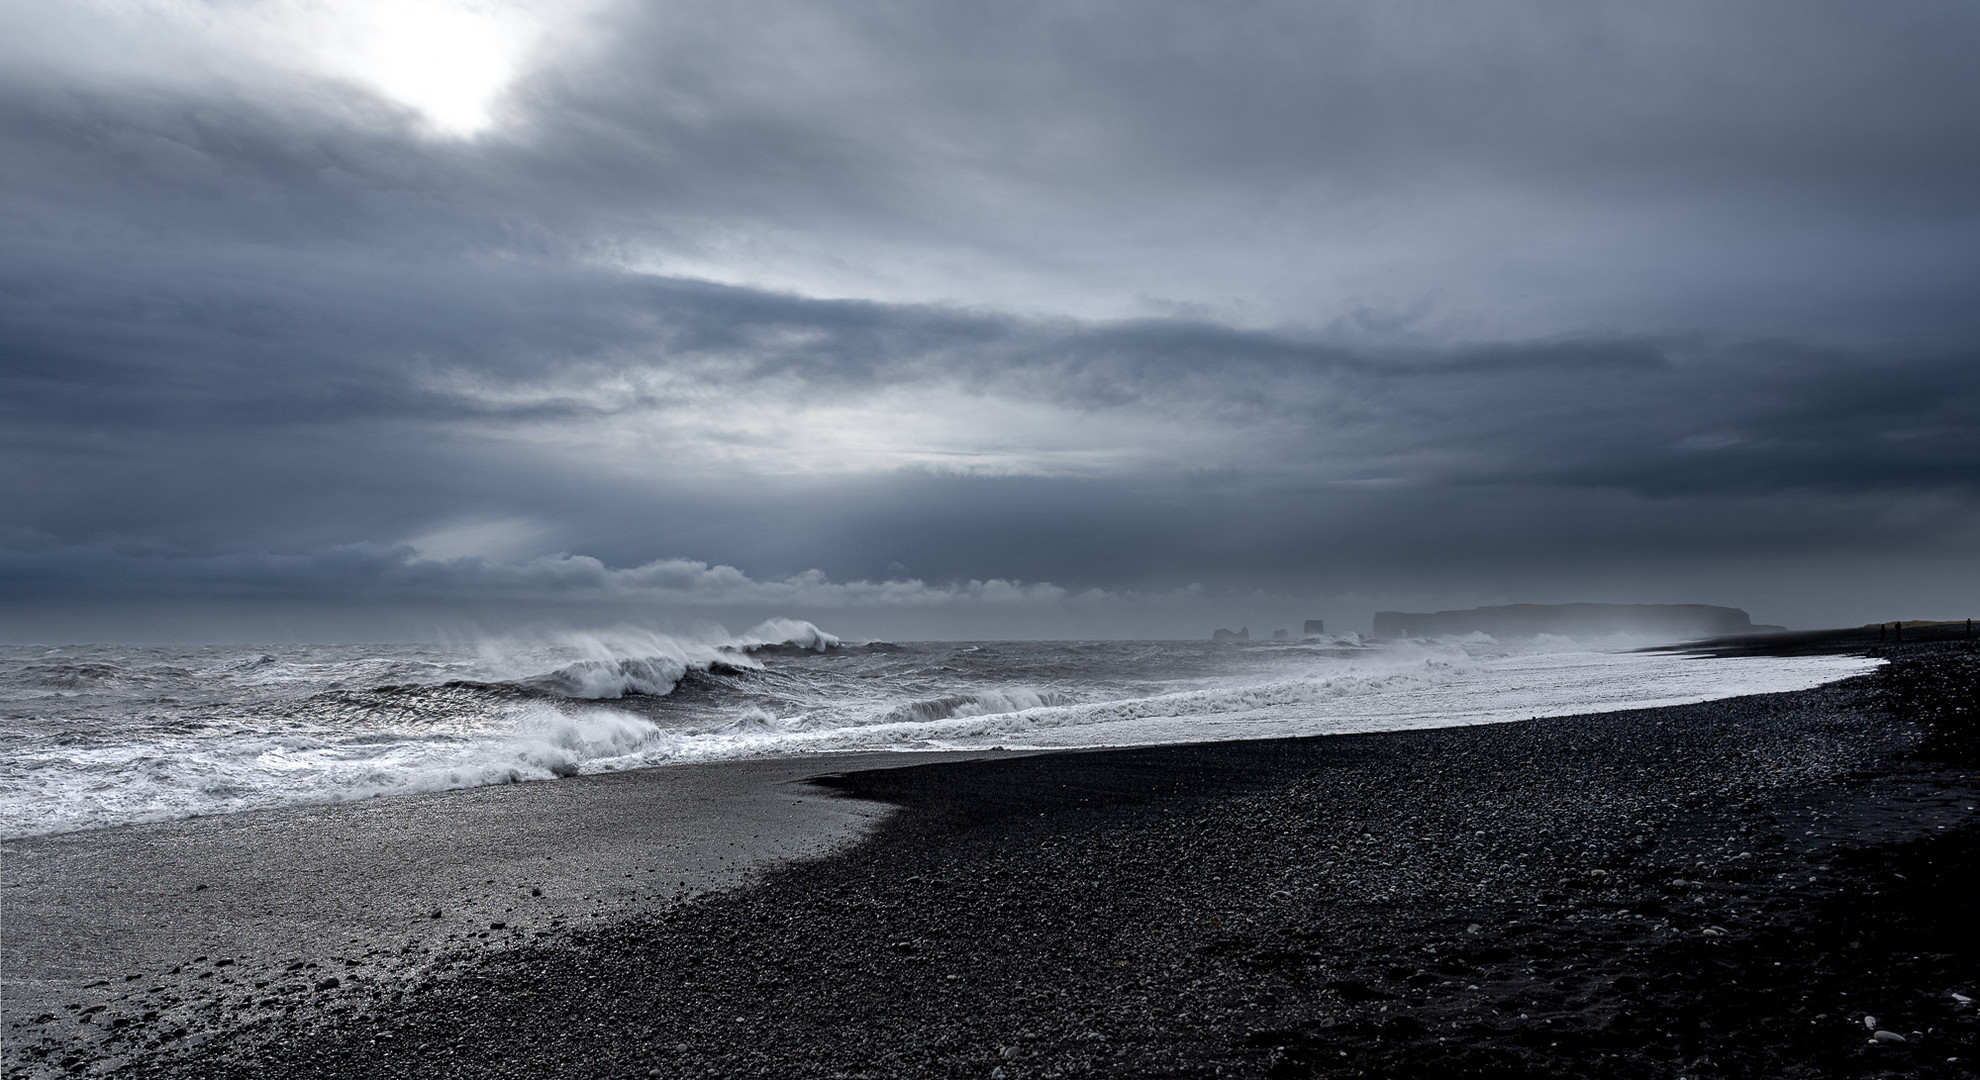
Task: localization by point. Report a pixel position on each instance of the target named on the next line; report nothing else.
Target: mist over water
(95, 736)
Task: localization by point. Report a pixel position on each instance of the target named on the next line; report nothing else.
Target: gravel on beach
(1780, 885)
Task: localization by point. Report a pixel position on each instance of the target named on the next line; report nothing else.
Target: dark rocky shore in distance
(1730, 889)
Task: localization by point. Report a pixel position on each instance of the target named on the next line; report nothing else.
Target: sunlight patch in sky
(450, 61)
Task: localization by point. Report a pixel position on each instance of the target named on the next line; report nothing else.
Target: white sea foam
(629, 660)
(795, 633)
(90, 738)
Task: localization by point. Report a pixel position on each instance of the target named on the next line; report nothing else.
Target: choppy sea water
(95, 736)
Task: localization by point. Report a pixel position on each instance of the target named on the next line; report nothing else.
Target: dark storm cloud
(1828, 95)
(260, 345)
(1779, 167)
(194, 419)
(1509, 289)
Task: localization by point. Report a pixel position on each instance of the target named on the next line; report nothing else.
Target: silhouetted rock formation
(1242, 633)
(1314, 628)
(1669, 621)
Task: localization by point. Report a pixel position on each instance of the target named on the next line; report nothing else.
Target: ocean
(94, 736)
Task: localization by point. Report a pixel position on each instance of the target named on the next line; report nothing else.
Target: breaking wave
(981, 703)
(615, 664)
(93, 737)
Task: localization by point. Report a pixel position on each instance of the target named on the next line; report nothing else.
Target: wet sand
(390, 882)
(1726, 889)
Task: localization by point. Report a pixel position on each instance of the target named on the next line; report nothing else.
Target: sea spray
(628, 660)
(96, 736)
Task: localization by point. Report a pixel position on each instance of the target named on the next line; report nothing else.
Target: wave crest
(624, 662)
(655, 676)
(785, 633)
(981, 703)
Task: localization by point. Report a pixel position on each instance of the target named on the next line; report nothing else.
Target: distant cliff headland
(1673, 621)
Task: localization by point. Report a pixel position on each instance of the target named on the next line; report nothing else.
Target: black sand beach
(1728, 889)
(404, 877)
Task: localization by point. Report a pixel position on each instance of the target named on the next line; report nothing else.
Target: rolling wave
(91, 737)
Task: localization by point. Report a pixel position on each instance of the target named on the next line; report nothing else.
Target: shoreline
(1370, 903)
(94, 911)
(271, 792)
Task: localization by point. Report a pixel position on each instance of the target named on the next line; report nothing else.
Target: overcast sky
(387, 317)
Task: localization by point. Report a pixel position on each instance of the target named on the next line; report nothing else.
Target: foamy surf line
(1354, 703)
(876, 701)
(1271, 720)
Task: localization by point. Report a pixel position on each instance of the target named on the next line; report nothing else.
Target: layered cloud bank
(1303, 301)
(371, 572)
(397, 591)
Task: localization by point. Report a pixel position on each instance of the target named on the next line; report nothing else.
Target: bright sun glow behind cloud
(450, 61)
(447, 61)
